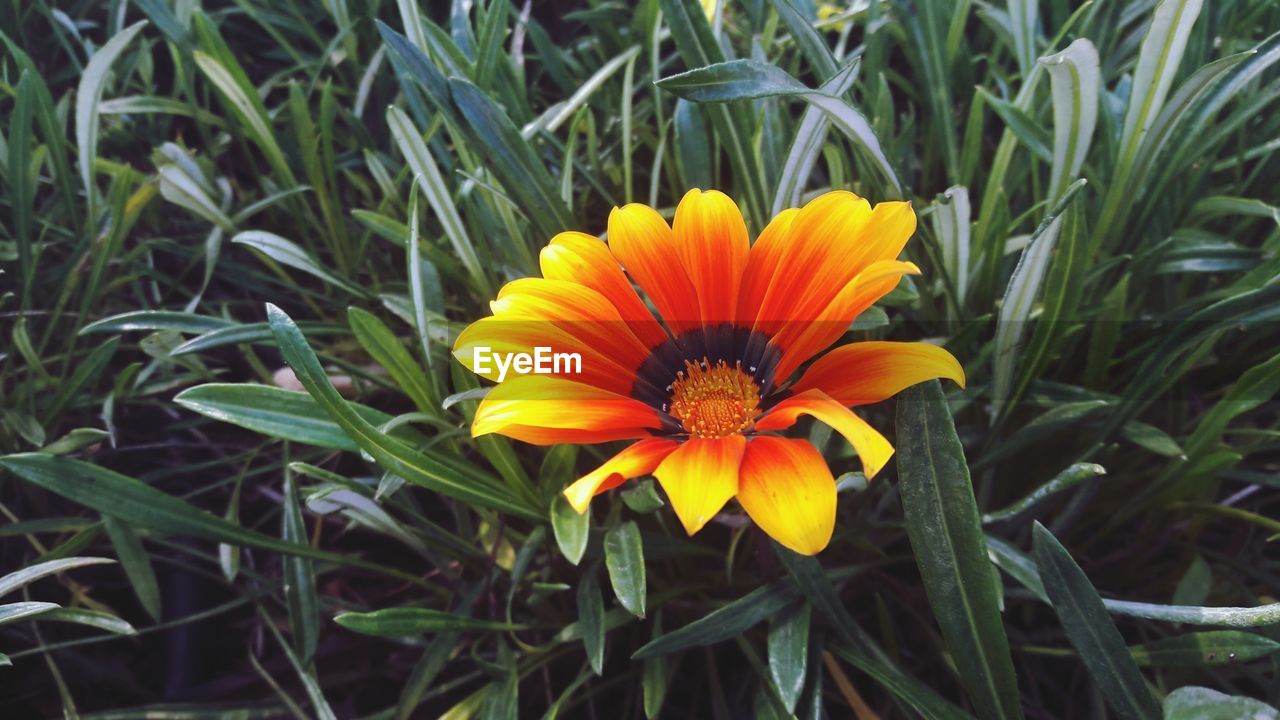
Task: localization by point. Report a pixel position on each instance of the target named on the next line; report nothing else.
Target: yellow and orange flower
(706, 383)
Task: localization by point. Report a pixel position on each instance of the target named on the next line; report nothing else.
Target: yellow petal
(700, 477)
(873, 449)
(586, 260)
(789, 492)
(544, 410)
(639, 459)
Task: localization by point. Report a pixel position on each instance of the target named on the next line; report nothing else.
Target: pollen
(714, 401)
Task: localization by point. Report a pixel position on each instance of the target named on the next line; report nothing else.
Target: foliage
(198, 197)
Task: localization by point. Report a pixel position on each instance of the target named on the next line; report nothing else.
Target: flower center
(714, 401)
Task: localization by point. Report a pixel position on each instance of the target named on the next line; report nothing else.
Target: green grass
(194, 198)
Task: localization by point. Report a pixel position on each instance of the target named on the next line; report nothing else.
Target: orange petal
(787, 489)
(873, 449)
(575, 309)
(643, 242)
(803, 338)
(639, 459)
(544, 410)
(834, 238)
(812, 252)
(762, 264)
(712, 238)
(868, 372)
(494, 335)
(700, 477)
(586, 260)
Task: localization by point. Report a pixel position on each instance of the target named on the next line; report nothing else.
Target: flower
(705, 386)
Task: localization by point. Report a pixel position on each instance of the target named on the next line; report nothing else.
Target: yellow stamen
(714, 401)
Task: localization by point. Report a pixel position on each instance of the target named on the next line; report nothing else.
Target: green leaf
(182, 190)
(904, 687)
(158, 320)
(13, 612)
(1158, 61)
(809, 137)
(241, 98)
(1065, 480)
(733, 80)
(571, 528)
(1021, 568)
(724, 623)
(624, 558)
(643, 497)
(1090, 630)
(946, 536)
(136, 563)
(21, 191)
(1199, 703)
(502, 696)
(1211, 647)
(512, 159)
(750, 79)
(953, 224)
(27, 575)
(405, 621)
(286, 252)
(242, 334)
(1020, 296)
(88, 97)
(387, 350)
(275, 412)
(697, 45)
(789, 652)
(437, 191)
(77, 439)
(1074, 80)
(1194, 586)
(299, 577)
(654, 676)
(591, 619)
(136, 503)
(452, 477)
(92, 618)
(1027, 130)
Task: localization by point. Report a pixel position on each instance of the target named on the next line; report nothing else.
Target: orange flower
(705, 384)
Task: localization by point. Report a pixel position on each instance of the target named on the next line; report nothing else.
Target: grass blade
(88, 98)
(456, 479)
(1074, 80)
(1090, 630)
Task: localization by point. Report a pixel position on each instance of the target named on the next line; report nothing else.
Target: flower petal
(495, 335)
(544, 410)
(829, 242)
(787, 489)
(803, 338)
(638, 459)
(867, 372)
(586, 260)
(700, 477)
(873, 449)
(575, 309)
(762, 264)
(643, 242)
(712, 238)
